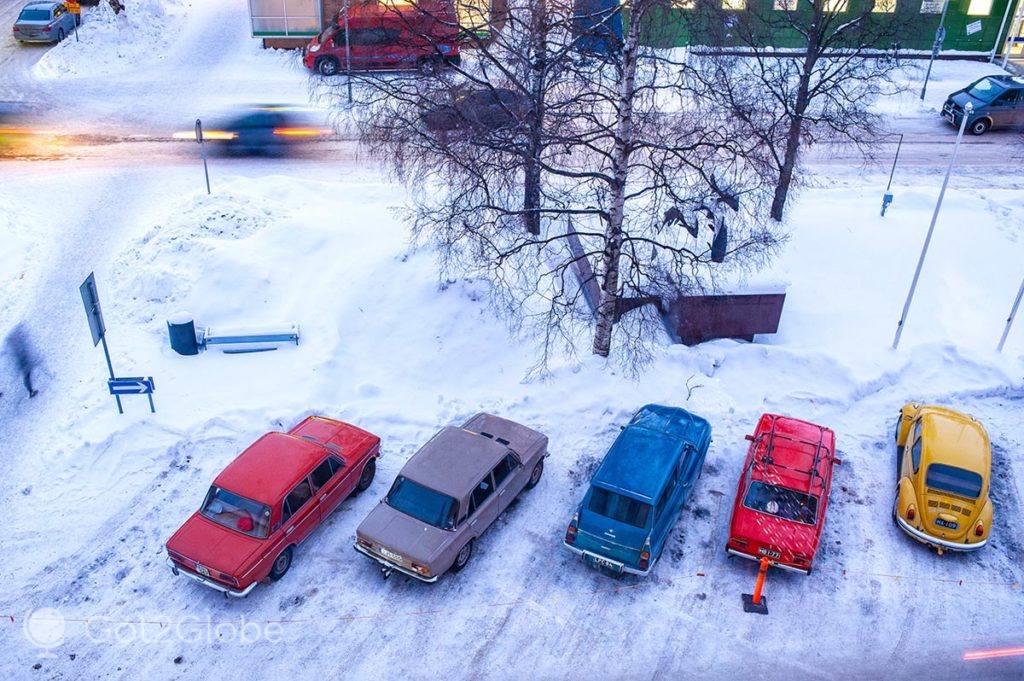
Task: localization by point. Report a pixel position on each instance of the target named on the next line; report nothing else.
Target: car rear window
(236, 512)
(619, 507)
(424, 504)
(955, 480)
(781, 502)
(34, 15)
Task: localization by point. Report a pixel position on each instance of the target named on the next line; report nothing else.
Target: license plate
(201, 569)
(949, 117)
(606, 564)
(948, 524)
(768, 552)
(391, 555)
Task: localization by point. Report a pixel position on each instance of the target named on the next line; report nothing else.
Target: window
(734, 5)
(885, 6)
(295, 499)
(370, 36)
(422, 503)
(236, 512)
(665, 496)
(503, 469)
(836, 6)
(781, 502)
(979, 8)
(336, 464)
(785, 5)
(34, 15)
(915, 455)
(986, 90)
(482, 492)
(955, 480)
(322, 474)
(618, 507)
(1008, 98)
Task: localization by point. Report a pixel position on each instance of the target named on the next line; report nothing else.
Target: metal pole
(894, 160)
(348, 56)
(1009, 320)
(940, 35)
(202, 148)
(1014, 29)
(931, 228)
(999, 34)
(110, 368)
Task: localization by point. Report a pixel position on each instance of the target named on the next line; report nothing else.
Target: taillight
(422, 569)
(570, 532)
(979, 530)
(228, 578)
(911, 512)
(364, 543)
(645, 555)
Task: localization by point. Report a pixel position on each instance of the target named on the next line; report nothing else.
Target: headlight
(314, 48)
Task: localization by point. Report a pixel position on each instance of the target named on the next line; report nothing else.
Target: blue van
(637, 493)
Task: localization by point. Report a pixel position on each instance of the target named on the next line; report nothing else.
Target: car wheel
(980, 126)
(462, 560)
(327, 66)
(281, 565)
(538, 471)
(366, 477)
(428, 66)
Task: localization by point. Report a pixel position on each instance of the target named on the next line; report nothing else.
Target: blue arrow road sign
(135, 385)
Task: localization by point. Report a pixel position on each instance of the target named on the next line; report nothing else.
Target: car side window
(915, 454)
(322, 474)
(665, 496)
(336, 464)
(483, 490)
(295, 499)
(504, 469)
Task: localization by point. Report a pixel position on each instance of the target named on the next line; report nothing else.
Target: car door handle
(289, 530)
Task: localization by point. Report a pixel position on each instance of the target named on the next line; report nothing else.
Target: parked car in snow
(449, 493)
(387, 36)
(268, 500)
(487, 109)
(943, 467)
(44, 22)
(783, 493)
(637, 493)
(998, 102)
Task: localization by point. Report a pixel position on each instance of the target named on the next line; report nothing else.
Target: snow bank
(112, 43)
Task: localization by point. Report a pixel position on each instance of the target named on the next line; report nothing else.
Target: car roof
(645, 453)
(41, 5)
(270, 467)
(954, 438)
(454, 461)
(793, 443)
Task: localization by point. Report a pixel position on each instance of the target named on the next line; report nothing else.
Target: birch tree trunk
(538, 76)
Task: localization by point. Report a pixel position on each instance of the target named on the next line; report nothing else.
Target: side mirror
(748, 438)
(838, 462)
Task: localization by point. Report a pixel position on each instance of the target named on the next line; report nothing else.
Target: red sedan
(782, 498)
(268, 500)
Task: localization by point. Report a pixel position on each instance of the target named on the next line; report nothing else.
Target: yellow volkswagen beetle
(943, 465)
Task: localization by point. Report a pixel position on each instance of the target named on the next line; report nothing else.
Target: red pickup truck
(420, 36)
(268, 500)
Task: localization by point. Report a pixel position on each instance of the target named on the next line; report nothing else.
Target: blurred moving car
(44, 22)
(636, 495)
(783, 493)
(449, 493)
(943, 467)
(387, 36)
(998, 102)
(261, 130)
(268, 500)
(486, 109)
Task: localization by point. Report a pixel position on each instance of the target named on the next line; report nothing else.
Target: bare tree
(839, 59)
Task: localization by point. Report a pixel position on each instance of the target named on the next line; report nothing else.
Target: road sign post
(135, 385)
(202, 149)
(1009, 320)
(940, 36)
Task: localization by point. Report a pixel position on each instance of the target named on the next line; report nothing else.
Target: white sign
(931, 7)
(973, 27)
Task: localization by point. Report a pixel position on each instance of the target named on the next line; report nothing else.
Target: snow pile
(110, 43)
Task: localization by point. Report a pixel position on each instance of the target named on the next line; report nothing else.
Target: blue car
(637, 493)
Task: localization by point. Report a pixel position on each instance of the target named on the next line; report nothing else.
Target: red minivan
(268, 500)
(387, 37)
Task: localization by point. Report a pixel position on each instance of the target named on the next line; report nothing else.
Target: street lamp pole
(931, 228)
(348, 56)
(940, 35)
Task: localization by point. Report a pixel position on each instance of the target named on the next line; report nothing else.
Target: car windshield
(781, 502)
(34, 15)
(954, 480)
(413, 499)
(619, 507)
(326, 33)
(236, 512)
(986, 90)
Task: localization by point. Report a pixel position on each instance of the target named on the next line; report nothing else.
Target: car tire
(535, 475)
(328, 66)
(462, 559)
(980, 126)
(281, 565)
(428, 66)
(366, 477)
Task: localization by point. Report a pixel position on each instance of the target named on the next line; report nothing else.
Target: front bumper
(935, 542)
(388, 565)
(178, 570)
(618, 566)
(757, 559)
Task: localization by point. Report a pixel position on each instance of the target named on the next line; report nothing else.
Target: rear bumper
(757, 559)
(616, 565)
(388, 565)
(935, 542)
(178, 570)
